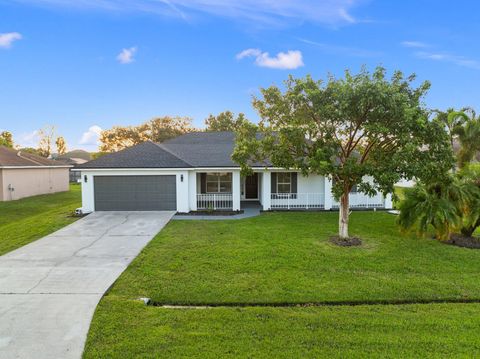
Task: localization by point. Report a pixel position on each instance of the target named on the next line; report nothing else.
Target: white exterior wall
(88, 200)
(183, 198)
(361, 200)
(310, 184)
(405, 183)
(188, 188)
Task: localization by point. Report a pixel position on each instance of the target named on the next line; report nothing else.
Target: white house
(195, 172)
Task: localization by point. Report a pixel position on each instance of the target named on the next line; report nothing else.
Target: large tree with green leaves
(347, 128)
(157, 129)
(224, 121)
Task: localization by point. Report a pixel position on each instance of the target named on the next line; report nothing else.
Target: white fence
(361, 200)
(297, 200)
(214, 201)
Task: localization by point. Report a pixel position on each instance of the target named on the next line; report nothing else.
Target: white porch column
(266, 190)
(192, 190)
(236, 190)
(328, 193)
(388, 201)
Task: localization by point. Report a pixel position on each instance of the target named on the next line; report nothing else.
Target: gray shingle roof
(195, 149)
(11, 157)
(144, 155)
(204, 149)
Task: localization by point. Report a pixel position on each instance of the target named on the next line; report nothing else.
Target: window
(284, 182)
(354, 188)
(219, 182)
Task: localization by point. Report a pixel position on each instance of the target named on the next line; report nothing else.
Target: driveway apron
(49, 288)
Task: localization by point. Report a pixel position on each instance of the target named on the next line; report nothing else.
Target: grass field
(279, 259)
(28, 219)
(128, 329)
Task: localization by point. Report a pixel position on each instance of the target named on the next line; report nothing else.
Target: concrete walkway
(49, 288)
(252, 210)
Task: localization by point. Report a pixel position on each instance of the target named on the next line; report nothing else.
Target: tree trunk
(343, 216)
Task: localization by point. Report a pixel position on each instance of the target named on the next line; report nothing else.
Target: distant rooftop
(11, 157)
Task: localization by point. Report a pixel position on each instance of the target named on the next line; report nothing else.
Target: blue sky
(88, 64)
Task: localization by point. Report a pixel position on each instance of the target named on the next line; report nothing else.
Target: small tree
(6, 139)
(348, 128)
(61, 145)
(224, 121)
(46, 137)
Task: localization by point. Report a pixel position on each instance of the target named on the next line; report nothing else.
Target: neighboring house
(195, 172)
(24, 174)
(74, 158)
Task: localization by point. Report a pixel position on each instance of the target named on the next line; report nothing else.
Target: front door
(251, 186)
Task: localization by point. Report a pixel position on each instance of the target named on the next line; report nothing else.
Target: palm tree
(452, 119)
(452, 205)
(470, 175)
(469, 137)
(438, 205)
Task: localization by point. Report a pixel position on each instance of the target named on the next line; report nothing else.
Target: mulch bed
(462, 241)
(346, 242)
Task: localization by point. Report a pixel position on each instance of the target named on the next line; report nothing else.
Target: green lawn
(28, 219)
(286, 258)
(124, 329)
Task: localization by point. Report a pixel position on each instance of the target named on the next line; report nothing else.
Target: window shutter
(274, 183)
(203, 183)
(294, 182)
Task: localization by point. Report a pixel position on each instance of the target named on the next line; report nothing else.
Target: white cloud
(449, 58)
(91, 137)
(29, 139)
(126, 56)
(342, 50)
(266, 12)
(7, 39)
(248, 53)
(425, 51)
(414, 44)
(289, 60)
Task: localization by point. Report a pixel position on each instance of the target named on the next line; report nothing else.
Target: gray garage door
(135, 193)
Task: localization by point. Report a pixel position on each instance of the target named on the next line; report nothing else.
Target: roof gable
(144, 155)
(192, 150)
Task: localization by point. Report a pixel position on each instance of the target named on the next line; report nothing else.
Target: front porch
(227, 191)
(274, 190)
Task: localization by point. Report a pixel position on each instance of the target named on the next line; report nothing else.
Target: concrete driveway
(49, 288)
